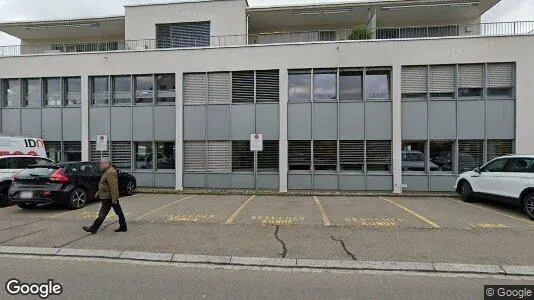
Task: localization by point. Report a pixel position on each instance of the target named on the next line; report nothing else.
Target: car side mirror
(477, 170)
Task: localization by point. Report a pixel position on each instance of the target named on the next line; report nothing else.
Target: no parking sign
(256, 142)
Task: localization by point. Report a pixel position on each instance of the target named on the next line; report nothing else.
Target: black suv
(72, 184)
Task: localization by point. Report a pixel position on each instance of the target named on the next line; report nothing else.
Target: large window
(52, 91)
(243, 87)
(121, 153)
(122, 90)
(166, 84)
(32, 92)
(219, 157)
(442, 81)
(497, 148)
(351, 156)
(377, 84)
(470, 81)
(350, 84)
(144, 89)
(268, 86)
(325, 156)
(299, 155)
(100, 90)
(12, 92)
(500, 80)
(300, 86)
(178, 35)
(143, 155)
(72, 151)
(73, 91)
(414, 82)
(414, 156)
(442, 155)
(324, 85)
(195, 156)
(470, 155)
(166, 152)
(242, 157)
(378, 156)
(268, 158)
(53, 150)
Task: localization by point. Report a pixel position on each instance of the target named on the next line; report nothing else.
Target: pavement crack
(284, 247)
(344, 247)
(27, 234)
(87, 235)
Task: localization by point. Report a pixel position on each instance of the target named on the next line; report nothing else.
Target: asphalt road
(101, 279)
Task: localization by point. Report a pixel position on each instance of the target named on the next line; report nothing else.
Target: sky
(19, 10)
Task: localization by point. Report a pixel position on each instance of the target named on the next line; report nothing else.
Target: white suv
(509, 178)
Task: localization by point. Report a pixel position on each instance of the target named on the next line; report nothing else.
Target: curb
(275, 262)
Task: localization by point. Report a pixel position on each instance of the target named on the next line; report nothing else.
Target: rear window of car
(36, 172)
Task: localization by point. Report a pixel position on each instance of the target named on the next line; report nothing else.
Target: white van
(17, 153)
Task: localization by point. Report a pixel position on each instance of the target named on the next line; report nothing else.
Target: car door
(489, 179)
(89, 176)
(516, 172)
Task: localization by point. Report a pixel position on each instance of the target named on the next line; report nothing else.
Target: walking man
(108, 192)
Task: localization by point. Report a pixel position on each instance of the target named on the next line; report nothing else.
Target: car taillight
(13, 175)
(59, 176)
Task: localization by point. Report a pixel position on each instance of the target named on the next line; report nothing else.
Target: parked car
(509, 178)
(72, 184)
(12, 164)
(413, 160)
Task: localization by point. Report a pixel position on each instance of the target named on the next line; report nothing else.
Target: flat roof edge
(178, 2)
(38, 22)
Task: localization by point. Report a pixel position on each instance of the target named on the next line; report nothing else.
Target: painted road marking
(234, 215)
(374, 222)
(487, 225)
(493, 211)
(271, 220)
(162, 207)
(326, 221)
(93, 215)
(187, 218)
(411, 212)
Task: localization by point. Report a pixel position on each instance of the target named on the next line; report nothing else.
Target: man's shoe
(121, 230)
(88, 229)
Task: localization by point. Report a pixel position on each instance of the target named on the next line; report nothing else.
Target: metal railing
(358, 33)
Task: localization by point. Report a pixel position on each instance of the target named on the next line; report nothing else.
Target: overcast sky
(18, 10)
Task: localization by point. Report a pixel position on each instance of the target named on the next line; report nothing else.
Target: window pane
(242, 157)
(299, 155)
(32, 92)
(442, 81)
(122, 89)
(166, 88)
(378, 156)
(414, 82)
(325, 156)
(470, 155)
(495, 166)
(144, 89)
(267, 86)
(166, 155)
(12, 92)
(72, 151)
(350, 85)
(268, 158)
(441, 155)
(497, 148)
(299, 86)
(515, 165)
(351, 155)
(121, 153)
(504, 92)
(413, 157)
(100, 90)
(74, 90)
(52, 91)
(377, 84)
(243, 87)
(324, 85)
(143, 155)
(219, 157)
(53, 150)
(195, 156)
(177, 35)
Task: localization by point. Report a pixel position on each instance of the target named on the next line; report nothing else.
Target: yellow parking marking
(162, 207)
(68, 212)
(326, 221)
(411, 212)
(188, 218)
(93, 215)
(234, 215)
(493, 211)
(487, 225)
(271, 220)
(374, 222)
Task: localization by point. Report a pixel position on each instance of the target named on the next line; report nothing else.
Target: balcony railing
(358, 33)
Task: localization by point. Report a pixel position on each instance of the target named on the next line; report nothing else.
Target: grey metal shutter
(414, 79)
(497, 148)
(195, 156)
(325, 155)
(471, 76)
(378, 155)
(121, 154)
(95, 155)
(351, 155)
(178, 35)
(53, 150)
(219, 157)
(470, 155)
(72, 151)
(299, 155)
(242, 157)
(500, 75)
(243, 87)
(195, 88)
(219, 88)
(268, 86)
(441, 79)
(268, 158)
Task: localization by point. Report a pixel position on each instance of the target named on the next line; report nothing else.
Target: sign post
(101, 143)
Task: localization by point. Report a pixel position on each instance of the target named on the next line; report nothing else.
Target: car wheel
(27, 205)
(466, 192)
(77, 199)
(130, 188)
(528, 205)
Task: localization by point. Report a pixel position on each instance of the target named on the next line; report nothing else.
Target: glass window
(144, 89)
(441, 156)
(470, 92)
(516, 165)
(268, 158)
(243, 87)
(73, 91)
(268, 86)
(166, 155)
(350, 85)
(299, 86)
(325, 156)
(377, 84)
(324, 85)
(32, 92)
(195, 156)
(299, 155)
(100, 90)
(166, 88)
(242, 157)
(53, 150)
(12, 92)
(351, 156)
(495, 166)
(52, 90)
(122, 90)
(143, 155)
(121, 153)
(378, 156)
(470, 155)
(414, 157)
(497, 148)
(72, 151)
(498, 92)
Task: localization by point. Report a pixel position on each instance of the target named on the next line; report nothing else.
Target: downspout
(247, 42)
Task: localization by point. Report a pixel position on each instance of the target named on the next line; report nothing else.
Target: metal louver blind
(268, 158)
(195, 156)
(497, 148)
(242, 157)
(243, 87)
(471, 75)
(414, 79)
(441, 79)
(219, 157)
(178, 35)
(325, 155)
(95, 155)
(351, 155)
(267, 86)
(53, 150)
(378, 155)
(121, 154)
(299, 155)
(500, 75)
(72, 151)
(470, 155)
(195, 88)
(219, 88)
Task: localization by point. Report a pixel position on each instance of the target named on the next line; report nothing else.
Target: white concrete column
(179, 132)
(283, 163)
(85, 117)
(396, 142)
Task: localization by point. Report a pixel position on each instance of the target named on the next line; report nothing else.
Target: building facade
(373, 95)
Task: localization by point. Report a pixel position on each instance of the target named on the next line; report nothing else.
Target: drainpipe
(371, 22)
(248, 15)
